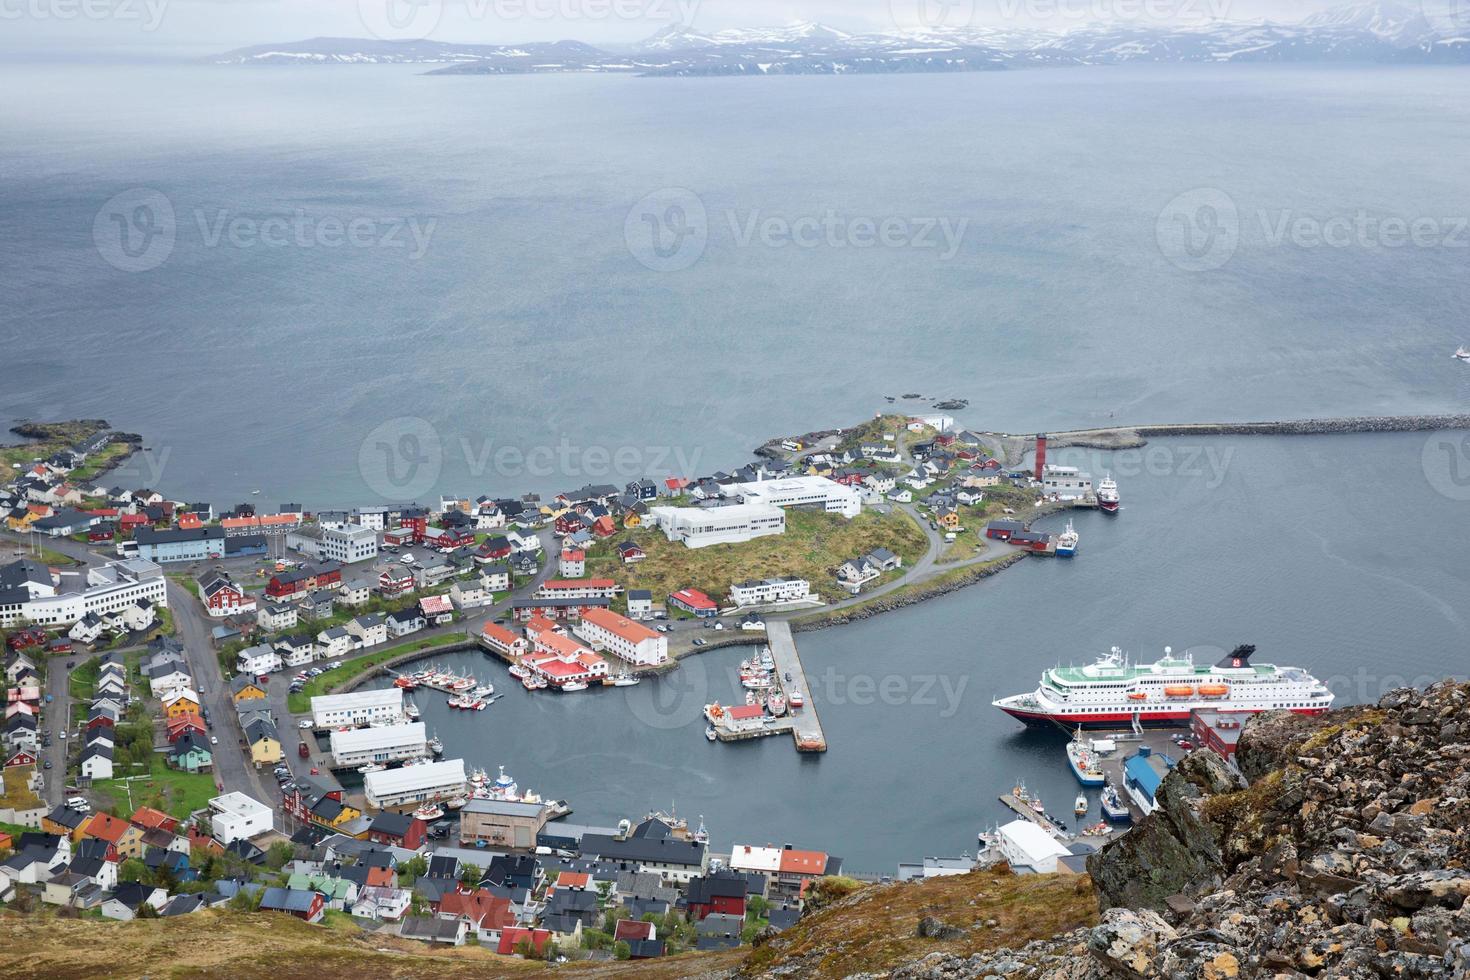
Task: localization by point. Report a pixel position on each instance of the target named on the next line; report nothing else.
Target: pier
(804, 725)
(1014, 804)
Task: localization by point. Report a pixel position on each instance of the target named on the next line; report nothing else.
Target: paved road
(57, 720)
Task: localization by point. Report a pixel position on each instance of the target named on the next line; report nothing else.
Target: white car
(214, 740)
(304, 724)
(408, 560)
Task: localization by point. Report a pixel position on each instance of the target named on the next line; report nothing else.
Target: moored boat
(1114, 810)
(571, 686)
(1113, 691)
(709, 734)
(1067, 542)
(1083, 759)
(1107, 495)
(776, 704)
(1081, 807)
(429, 812)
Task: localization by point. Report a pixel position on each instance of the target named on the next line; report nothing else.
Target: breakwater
(1133, 436)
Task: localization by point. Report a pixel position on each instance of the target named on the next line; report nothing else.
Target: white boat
(411, 711)
(1463, 354)
(435, 746)
(519, 670)
(370, 767)
(571, 686)
(625, 680)
(756, 682)
(1113, 691)
(1067, 542)
(429, 812)
(254, 492)
(483, 691)
(1107, 495)
(457, 802)
(1082, 806)
(776, 704)
(796, 700)
(709, 733)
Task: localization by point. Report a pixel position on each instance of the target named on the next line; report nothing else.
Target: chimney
(1040, 454)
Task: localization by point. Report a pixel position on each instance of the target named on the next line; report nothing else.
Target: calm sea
(351, 285)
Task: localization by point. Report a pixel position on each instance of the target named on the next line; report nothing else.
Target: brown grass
(875, 929)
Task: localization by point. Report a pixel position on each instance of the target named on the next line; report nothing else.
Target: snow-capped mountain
(1370, 33)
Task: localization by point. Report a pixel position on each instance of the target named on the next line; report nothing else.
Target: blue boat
(1082, 756)
(1114, 810)
(1067, 542)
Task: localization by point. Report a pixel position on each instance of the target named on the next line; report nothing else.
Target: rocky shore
(1339, 849)
(897, 599)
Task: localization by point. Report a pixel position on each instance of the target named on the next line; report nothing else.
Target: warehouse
(414, 784)
(700, 527)
(805, 492)
(608, 632)
(357, 708)
(1028, 848)
(380, 745)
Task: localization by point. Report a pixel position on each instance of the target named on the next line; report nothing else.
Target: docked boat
(407, 683)
(435, 745)
(1067, 542)
(1107, 495)
(1081, 807)
(1114, 810)
(776, 704)
(757, 682)
(411, 711)
(1082, 756)
(796, 700)
(1113, 691)
(483, 691)
(429, 812)
(462, 684)
(519, 671)
(625, 680)
(709, 733)
(572, 686)
(457, 803)
(370, 767)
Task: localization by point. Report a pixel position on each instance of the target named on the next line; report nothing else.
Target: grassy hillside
(812, 547)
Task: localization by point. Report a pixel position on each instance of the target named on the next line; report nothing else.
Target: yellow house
(631, 519)
(265, 745)
(554, 510)
(181, 703)
(819, 469)
(948, 519)
(244, 688)
(22, 522)
(323, 815)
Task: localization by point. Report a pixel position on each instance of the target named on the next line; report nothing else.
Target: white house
(358, 708)
(1028, 848)
(235, 816)
(87, 629)
(259, 659)
(469, 595)
(276, 616)
(381, 903)
(97, 760)
(495, 578)
(370, 629)
(415, 784)
(356, 592)
(108, 590)
(174, 680)
(334, 642)
(347, 544)
(295, 651)
(523, 543)
(770, 591)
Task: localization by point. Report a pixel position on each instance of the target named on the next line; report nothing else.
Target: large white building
(235, 816)
(700, 527)
(607, 632)
(1028, 848)
(347, 544)
(357, 708)
(807, 492)
(414, 784)
(1067, 482)
(29, 591)
(382, 744)
(770, 591)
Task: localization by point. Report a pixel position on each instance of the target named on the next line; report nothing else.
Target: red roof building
(513, 937)
(694, 601)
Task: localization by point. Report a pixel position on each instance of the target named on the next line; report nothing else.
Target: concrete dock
(805, 726)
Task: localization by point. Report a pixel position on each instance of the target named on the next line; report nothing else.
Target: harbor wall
(1133, 436)
(363, 676)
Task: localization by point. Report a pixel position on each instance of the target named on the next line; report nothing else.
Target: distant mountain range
(1378, 33)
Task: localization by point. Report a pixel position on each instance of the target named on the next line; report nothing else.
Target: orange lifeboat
(1179, 691)
(1214, 690)
(1138, 696)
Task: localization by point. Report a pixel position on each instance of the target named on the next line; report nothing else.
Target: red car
(264, 678)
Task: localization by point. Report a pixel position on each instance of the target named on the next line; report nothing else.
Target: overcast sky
(45, 28)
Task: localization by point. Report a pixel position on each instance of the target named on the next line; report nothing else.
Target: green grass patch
(173, 792)
(300, 702)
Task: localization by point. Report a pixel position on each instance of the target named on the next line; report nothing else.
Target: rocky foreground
(1340, 852)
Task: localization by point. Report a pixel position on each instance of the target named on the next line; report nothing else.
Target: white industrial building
(700, 527)
(382, 744)
(347, 544)
(235, 816)
(808, 492)
(1028, 848)
(414, 784)
(358, 708)
(28, 591)
(607, 632)
(770, 591)
(1067, 482)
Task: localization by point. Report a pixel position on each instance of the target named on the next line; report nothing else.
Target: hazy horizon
(131, 29)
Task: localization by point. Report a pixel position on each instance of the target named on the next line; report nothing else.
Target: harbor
(777, 699)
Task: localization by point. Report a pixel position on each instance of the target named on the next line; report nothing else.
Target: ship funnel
(1239, 657)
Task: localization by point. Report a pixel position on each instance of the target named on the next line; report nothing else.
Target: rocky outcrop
(898, 598)
(1341, 851)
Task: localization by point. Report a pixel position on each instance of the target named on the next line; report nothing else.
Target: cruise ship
(1112, 691)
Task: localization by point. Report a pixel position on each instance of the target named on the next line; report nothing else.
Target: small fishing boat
(795, 699)
(1462, 354)
(429, 812)
(457, 803)
(1067, 542)
(411, 711)
(1082, 757)
(572, 686)
(1081, 807)
(435, 746)
(370, 767)
(625, 680)
(1114, 810)
(757, 682)
(709, 733)
(519, 671)
(776, 704)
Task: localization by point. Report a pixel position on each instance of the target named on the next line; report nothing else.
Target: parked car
(214, 740)
(304, 724)
(699, 641)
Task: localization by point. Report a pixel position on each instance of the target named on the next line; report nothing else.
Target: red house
(513, 937)
(717, 893)
(493, 549)
(304, 580)
(26, 638)
(189, 723)
(569, 523)
(131, 522)
(398, 829)
(694, 601)
(20, 757)
(604, 527)
(101, 532)
(485, 913)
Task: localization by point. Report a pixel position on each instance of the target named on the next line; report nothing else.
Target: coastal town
(223, 707)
